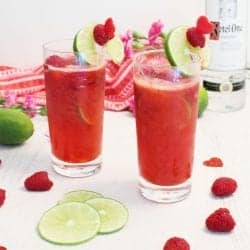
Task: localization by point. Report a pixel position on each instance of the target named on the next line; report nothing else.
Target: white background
(26, 24)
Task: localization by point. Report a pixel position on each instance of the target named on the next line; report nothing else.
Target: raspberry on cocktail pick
(195, 38)
(100, 35)
(196, 35)
(204, 26)
(104, 33)
(109, 28)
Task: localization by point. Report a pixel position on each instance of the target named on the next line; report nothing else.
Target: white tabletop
(150, 224)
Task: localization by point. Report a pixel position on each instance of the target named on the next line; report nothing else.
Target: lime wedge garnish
(113, 214)
(84, 44)
(69, 223)
(79, 196)
(178, 50)
(115, 50)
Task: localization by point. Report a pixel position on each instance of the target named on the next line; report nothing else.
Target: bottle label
(223, 87)
(228, 41)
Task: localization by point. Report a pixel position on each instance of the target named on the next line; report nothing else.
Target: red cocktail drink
(75, 102)
(166, 113)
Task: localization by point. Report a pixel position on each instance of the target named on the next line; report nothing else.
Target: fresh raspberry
(213, 162)
(39, 181)
(56, 61)
(3, 248)
(224, 186)
(2, 196)
(204, 26)
(220, 221)
(176, 243)
(109, 28)
(100, 35)
(195, 38)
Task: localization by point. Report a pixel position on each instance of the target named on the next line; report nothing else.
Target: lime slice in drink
(84, 43)
(115, 50)
(85, 118)
(79, 196)
(69, 223)
(113, 214)
(178, 51)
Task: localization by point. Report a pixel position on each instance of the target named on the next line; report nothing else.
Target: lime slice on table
(115, 50)
(84, 43)
(69, 223)
(113, 214)
(79, 196)
(178, 51)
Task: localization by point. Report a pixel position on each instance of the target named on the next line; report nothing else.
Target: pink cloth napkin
(118, 86)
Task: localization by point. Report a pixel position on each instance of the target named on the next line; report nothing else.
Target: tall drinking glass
(166, 108)
(75, 102)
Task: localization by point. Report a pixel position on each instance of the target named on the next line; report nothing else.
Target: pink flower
(127, 40)
(29, 103)
(132, 105)
(154, 31)
(10, 99)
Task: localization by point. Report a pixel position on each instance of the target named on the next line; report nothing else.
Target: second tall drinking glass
(166, 107)
(75, 102)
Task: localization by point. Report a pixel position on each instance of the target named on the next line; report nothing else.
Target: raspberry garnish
(104, 33)
(39, 181)
(224, 186)
(56, 61)
(3, 248)
(220, 221)
(204, 26)
(196, 35)
(195, 38)
(109, 28)
(213, 162)
(2, 196)
(100, 35)
(176, 243)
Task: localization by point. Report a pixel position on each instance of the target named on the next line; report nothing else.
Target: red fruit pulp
(166, 115)
(75, 101)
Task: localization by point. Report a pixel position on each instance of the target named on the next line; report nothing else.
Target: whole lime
(203, 100)
(15, 127)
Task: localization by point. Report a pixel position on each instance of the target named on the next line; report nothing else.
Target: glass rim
(46, 45)
(65, 48)
(196, 64)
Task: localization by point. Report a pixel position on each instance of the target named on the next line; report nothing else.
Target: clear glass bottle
(225, 76)
(248, 42)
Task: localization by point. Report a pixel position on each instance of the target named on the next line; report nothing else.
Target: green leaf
(137, 35)
(42, 111)
(1, 101)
